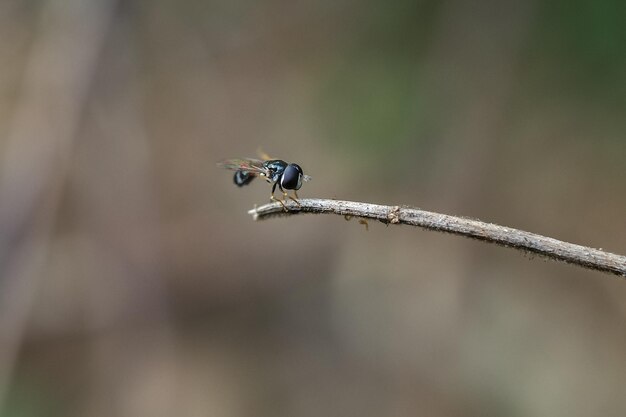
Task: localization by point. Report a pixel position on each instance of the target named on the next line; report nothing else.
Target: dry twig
(550, 248)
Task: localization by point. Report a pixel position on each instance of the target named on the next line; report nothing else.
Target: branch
(505, 236)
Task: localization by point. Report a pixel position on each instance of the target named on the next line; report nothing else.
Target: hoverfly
(281, 174)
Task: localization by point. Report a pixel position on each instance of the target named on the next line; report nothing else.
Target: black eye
(292, 177)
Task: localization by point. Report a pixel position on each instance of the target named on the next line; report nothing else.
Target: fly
(285, 176)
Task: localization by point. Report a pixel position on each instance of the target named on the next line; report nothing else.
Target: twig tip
(254, 213)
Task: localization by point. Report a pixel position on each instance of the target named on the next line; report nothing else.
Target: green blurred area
(378, 95)
(582, 45)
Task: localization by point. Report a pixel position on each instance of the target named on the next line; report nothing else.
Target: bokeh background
(134, 283)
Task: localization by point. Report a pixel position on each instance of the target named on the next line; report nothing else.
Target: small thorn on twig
(394, 215)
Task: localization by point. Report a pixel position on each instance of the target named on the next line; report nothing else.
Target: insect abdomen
(242, 178)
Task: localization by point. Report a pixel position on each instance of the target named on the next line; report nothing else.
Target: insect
(281, 174)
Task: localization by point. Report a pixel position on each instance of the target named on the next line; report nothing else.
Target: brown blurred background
(134, 283)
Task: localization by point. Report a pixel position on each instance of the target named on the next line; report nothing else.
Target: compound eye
(292, 177)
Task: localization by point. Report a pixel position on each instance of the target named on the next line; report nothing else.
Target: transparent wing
(244, 164)
(263, 155)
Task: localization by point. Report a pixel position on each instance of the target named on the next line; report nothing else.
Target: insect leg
(287, 196)
(295, 200)
(295, 193)
(272, 198)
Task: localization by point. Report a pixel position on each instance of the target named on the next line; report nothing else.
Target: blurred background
(134, 283)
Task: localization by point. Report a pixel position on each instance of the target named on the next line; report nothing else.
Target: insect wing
(247, 164)
(263, 155)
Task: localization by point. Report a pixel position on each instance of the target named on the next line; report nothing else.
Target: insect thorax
(276, 167)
